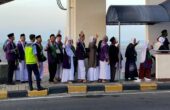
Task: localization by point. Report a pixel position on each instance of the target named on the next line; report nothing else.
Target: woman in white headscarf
(145, 63)
(93, 71)
(68, 62)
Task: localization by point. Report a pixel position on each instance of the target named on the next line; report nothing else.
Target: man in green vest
(32, 63)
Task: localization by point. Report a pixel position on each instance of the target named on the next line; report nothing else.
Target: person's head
(22, 37)
(105, 39)
(113, 40)
(11, 37)
(133, 41)
(82, 36)
(164, 33)
(32, 38)
(59, 37)
(69, 41)
(39, 39)
(52, 38)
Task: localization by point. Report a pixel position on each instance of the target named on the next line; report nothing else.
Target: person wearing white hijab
(145, 63)
(68, 62)
(93, 71)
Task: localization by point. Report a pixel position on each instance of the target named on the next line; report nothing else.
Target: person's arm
(136, 43)
(35, 53)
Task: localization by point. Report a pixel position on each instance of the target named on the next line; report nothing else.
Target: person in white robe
(68, 62)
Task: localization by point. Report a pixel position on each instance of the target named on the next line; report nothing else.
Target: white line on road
(82, 95)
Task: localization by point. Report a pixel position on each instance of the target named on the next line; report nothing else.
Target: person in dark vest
(59, 51)
(11, 56)
(32, 63)
(131, 58)
(40, 55)
(52, 57)
(23, 74)
(113, 57)
(81, 55)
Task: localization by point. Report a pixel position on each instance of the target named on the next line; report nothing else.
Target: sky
(44, 17)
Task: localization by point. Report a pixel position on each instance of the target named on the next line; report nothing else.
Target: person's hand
(66, 39)
(97, 36)
(38, 64)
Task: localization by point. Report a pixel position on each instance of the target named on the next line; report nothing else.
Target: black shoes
(41, 89)
(10, 83)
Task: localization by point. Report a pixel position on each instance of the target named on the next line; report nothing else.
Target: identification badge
(58, 51)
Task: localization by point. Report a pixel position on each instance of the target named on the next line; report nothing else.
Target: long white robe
(93, 74)
(104, 70)
(23, 71)
(81, 70)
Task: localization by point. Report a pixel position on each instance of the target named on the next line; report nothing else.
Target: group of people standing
(67, 63)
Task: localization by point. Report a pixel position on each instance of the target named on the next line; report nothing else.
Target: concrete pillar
(154, 31)
(3, 72)
(88, 16)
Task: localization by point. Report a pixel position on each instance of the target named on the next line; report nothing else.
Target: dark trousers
(113, 72)
(11, 69)
(52, 70)
(33, 68)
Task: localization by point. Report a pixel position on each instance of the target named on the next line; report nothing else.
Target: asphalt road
(149, 101)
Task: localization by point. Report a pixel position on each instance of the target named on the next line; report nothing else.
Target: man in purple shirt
(11, 56)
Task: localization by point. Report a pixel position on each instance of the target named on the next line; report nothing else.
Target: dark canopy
(4, 1)
(138, 14)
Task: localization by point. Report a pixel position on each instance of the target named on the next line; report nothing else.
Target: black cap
(22, 35)
(52, 35)
(39, 36)
(112, 39)
(32, 36)
(164, 31)
(59, 35)
(10, 35)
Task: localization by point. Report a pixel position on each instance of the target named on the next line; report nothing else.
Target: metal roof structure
(138, 14)
(4, 1)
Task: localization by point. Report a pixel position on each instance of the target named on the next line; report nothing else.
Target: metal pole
(119, 65)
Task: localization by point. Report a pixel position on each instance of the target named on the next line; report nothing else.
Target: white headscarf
(143, 53)
(161, 40)
(91, 39)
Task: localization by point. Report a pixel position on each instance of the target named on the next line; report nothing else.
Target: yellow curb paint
(114, 88)
(77, 89)
(3, 95)
(36, 93)
(148, 86)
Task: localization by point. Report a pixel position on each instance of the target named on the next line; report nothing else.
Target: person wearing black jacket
(113, 57)
(131, 58)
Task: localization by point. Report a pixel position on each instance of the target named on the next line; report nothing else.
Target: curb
(85, 88)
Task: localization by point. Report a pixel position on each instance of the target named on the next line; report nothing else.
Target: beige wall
(88, 16)
(153, 31)
(162, 66)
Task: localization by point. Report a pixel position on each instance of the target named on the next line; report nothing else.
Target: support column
(88, 16)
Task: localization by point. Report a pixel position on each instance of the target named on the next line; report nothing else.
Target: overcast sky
(44, 17)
